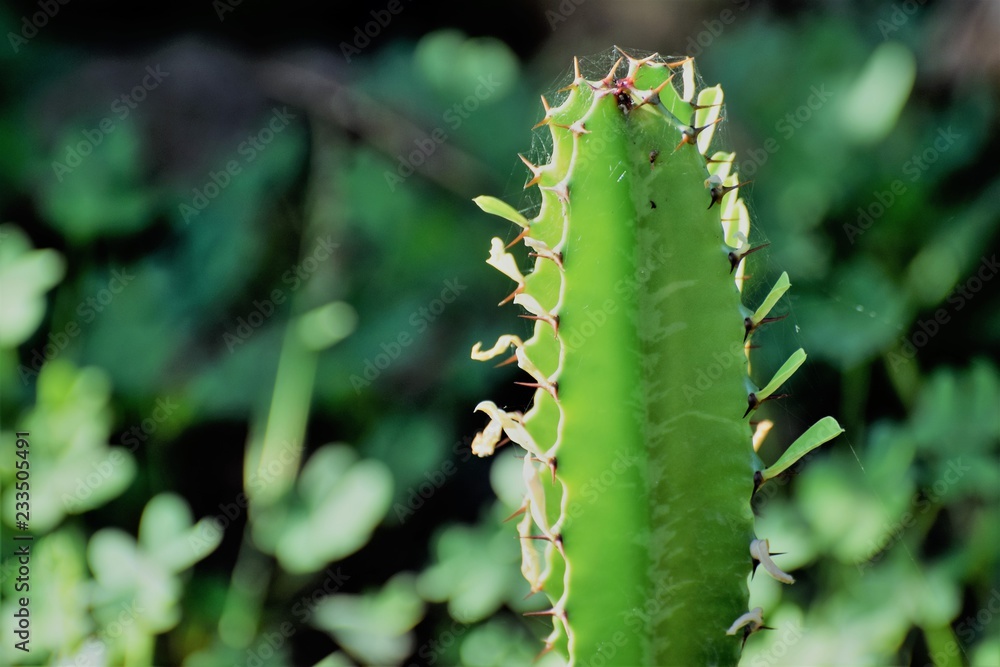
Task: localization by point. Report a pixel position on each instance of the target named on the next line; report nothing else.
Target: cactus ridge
(640, 466)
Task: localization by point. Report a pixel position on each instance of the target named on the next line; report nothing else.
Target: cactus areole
(640, 438)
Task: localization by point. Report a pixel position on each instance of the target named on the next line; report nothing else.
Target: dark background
(891, 530)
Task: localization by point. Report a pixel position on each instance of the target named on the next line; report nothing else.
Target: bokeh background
(241, 273)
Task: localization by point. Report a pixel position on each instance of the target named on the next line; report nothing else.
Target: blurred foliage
(236, 325)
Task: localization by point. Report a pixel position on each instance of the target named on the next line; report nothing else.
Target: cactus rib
(640, 468)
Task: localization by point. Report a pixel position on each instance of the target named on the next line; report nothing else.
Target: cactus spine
(637, 521)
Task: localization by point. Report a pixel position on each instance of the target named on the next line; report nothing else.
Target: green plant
(641, 464)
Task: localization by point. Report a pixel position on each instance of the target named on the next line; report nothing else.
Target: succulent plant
(641, 445)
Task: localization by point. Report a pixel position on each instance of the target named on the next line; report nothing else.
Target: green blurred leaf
(456, 64)
(473, 571)
(495, 206)
(74, 469)
(25, 276)
(786, 371)
(343, 499)
(823, 431)
(167, 534)
(375, 628)
(104, 195)
(858, 314)
(871, 107)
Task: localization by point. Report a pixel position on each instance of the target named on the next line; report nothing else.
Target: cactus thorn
(552, 387)
(720, 191)
(524, 232)
(735, 257)
(536, 172)
(750, 622)
(548, 114)
(753, 402)
(610, 78)
(506, 362)
(698, 107)
(548, 647)
(750, 325)
(653, 96)
(622, 51)
(544, 612)
(679, 63)
(690, 135)
(553, 320)
(519, 512)
(555, 256)
(559, 545)
(510, 297)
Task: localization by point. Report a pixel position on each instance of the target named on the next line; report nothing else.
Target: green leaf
(787, 369)
(166, 533)
(494, 206)
(472, 572)
(824, 430)
(776, 292)
(25, 276)
(345, 499)
(375, 627)
(871, 107)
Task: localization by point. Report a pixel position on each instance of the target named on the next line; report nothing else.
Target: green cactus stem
(641, 457)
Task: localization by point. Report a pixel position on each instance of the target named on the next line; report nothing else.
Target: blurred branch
(377, 124)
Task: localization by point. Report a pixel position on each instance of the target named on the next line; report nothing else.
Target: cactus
(641, 450)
